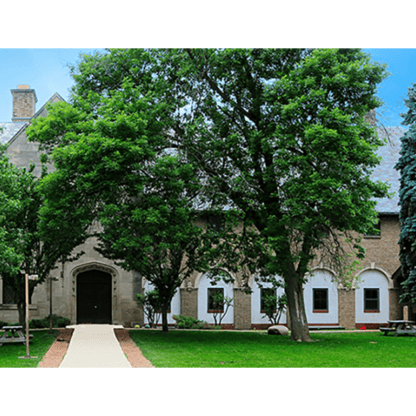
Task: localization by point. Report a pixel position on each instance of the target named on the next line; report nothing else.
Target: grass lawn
(39, 344)
(203, 349)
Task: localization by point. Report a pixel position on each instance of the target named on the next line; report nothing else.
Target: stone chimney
(24, 102)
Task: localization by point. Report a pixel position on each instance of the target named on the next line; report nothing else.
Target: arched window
(175, 305)
(372, 298)
(206, 291)
(321, 298)
(257, 302)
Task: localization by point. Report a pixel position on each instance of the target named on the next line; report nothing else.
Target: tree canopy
(407, 167)
(117, 175)
(281, 135)
(25, 248)
(277, 136)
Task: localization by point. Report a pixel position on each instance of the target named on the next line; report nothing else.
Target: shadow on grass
(38, 346)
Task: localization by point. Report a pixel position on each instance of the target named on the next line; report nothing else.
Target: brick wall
(384, 250)
(189, 302)
(396, 310)
(346, 308)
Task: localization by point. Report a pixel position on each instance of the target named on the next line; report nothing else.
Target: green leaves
(407, 166)
(115, 165)
(280, 136)
(277, 136)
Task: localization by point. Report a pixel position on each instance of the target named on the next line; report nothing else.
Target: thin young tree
(25, 248)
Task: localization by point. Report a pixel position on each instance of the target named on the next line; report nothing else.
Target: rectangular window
(371, 300)
(213, 305)
(9, 296)
(320, 300)
(264, 293)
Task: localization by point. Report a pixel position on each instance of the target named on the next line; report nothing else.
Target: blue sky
(393, 90)
(46, 71)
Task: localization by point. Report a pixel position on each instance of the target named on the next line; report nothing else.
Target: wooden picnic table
(13, 334)
(399, 328)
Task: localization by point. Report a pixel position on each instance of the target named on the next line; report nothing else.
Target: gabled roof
(9, 130)
(55, 98)
(385, 172)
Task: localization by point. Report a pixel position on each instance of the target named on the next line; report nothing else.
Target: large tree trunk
(298, 322)
(165, 319)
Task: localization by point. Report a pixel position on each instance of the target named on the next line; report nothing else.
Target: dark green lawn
(204, 349)
(39, 344)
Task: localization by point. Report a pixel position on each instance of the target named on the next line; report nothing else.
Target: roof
(9, 130)
(55, 98)
(385, 172)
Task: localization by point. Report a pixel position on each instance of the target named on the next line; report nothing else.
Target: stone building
(93, 289)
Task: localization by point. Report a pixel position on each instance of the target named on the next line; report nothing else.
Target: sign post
(27, 278)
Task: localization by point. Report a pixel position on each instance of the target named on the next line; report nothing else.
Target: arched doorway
(94, 297)
(372, 298)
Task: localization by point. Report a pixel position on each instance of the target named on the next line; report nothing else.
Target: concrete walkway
(94, 346)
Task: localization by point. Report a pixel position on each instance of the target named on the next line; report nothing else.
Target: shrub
(188, 322)
(151, 306)
(221, 304)
(274, 306)
(2, 324)
(57, 322)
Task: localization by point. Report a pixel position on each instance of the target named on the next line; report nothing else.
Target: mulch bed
(58, 349)
(129, 347)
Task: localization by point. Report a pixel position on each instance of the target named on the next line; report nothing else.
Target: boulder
(278, 330)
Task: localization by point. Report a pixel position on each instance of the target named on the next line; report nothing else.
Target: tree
(25, 249)
(407, 167)
(281, 136)
(151, 306)
(276, 137)
(220, 303)
(274, 306)
(115, 170)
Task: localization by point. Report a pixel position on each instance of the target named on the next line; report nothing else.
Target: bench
(399, 328)
(13, 334)
(406, 331)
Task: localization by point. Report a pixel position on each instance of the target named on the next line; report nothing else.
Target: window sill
(320, 311)
(371, 311)
(13, 307)
(214, 311)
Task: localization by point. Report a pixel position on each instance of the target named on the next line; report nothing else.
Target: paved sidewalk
(94, 346)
